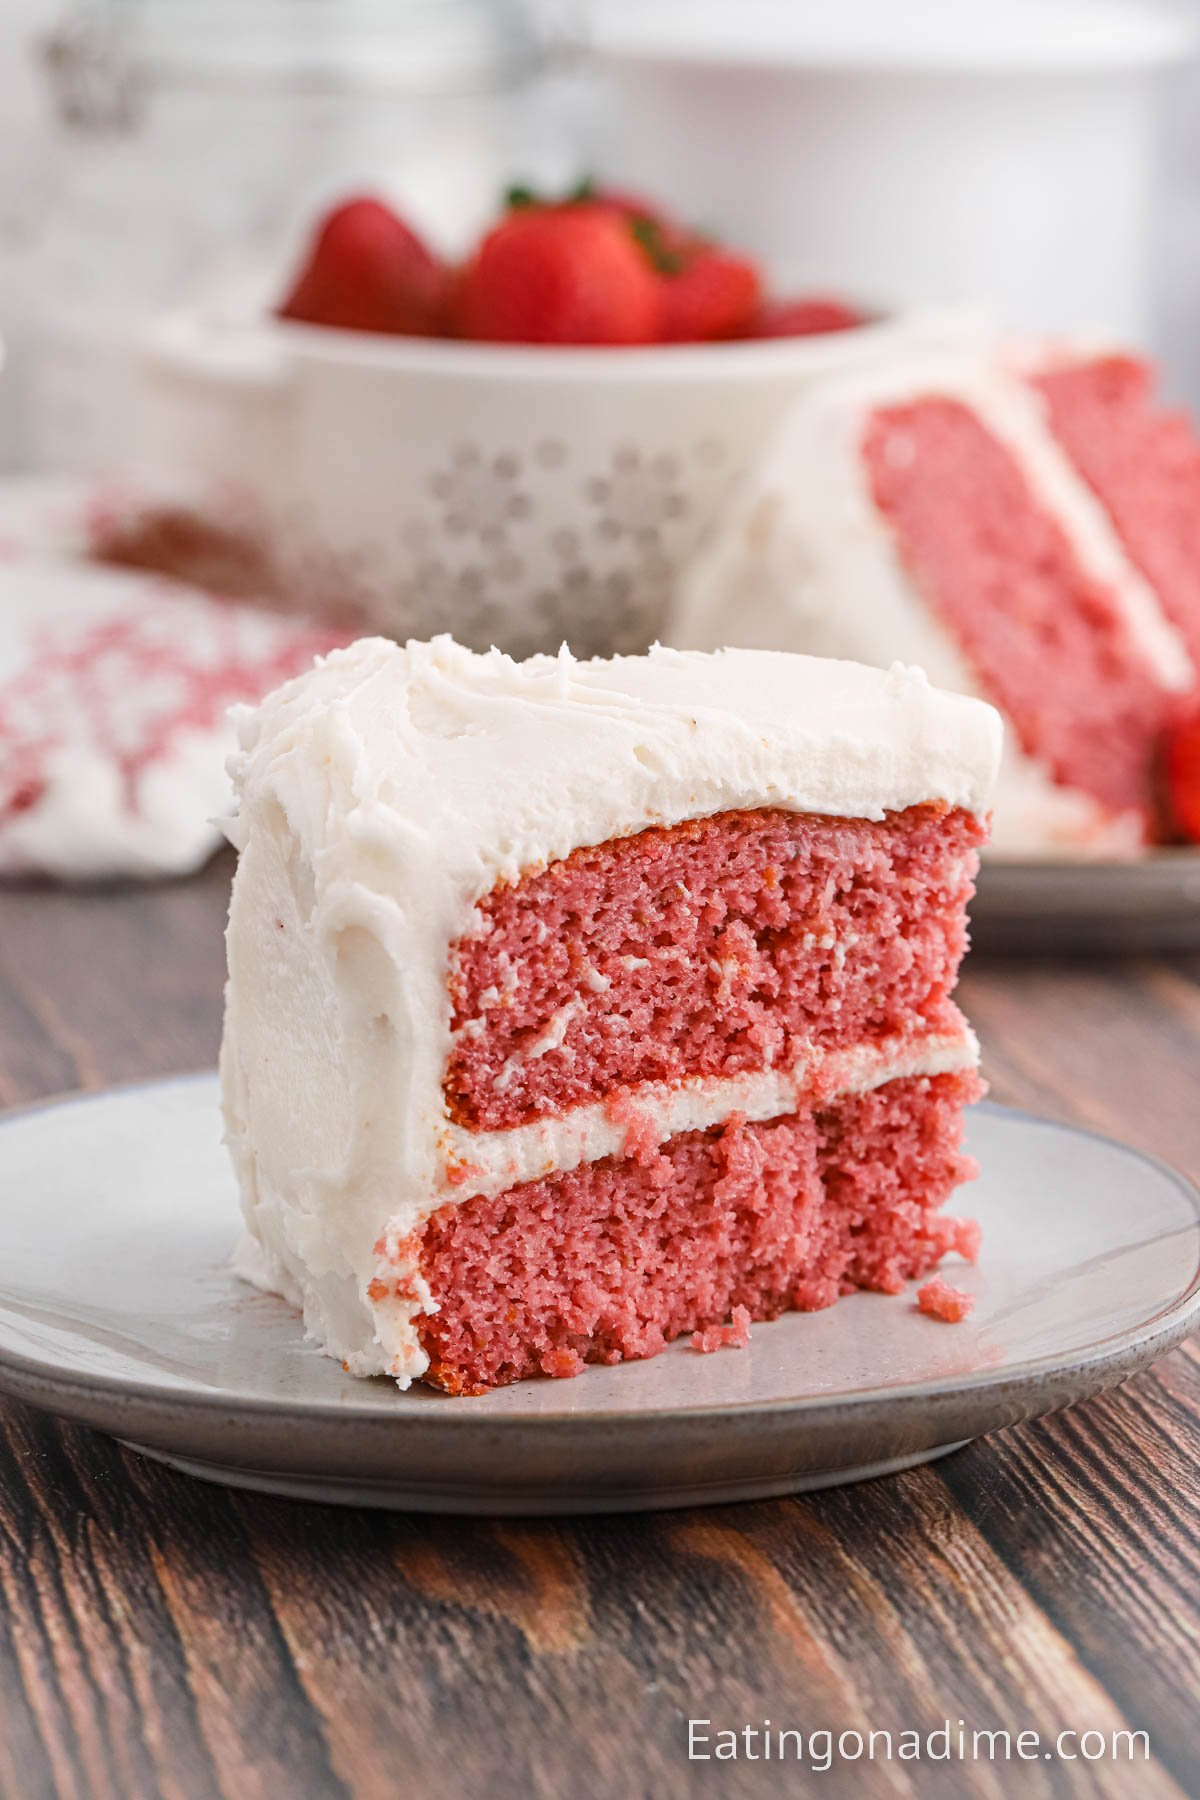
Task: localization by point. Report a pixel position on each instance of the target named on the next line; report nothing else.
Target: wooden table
(159, 1636)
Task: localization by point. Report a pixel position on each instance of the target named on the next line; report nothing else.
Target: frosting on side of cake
(803, 561)
(381, 797)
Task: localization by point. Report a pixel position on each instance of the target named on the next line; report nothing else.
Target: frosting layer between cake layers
(487, 1162)
(382, 797)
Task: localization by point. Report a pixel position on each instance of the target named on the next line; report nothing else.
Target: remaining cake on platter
(1023, 523)
(576, 1006)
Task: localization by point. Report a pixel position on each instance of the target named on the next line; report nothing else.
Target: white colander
(520, 496)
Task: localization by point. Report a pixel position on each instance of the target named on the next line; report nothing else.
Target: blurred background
(185, 397)
(152, 150)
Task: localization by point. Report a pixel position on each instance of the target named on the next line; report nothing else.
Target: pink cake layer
(708, 948)
(1143, 463)
(613, 1260)
(1045, 640)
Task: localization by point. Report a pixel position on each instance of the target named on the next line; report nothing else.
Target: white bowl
(512, 495)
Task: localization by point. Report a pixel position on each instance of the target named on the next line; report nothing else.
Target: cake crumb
(968, 1236)
(641, 1137)
(941, 1301)
(458, 1173)
(734, 1336)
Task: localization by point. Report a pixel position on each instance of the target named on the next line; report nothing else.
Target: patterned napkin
(114, 692)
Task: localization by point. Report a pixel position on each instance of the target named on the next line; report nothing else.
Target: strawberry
(1182, 765)
(620, 200)
(806, 318)
(566, 274)
(629, 204)
(714, 294)
(623, 201)
(661, 235)
(368, 271)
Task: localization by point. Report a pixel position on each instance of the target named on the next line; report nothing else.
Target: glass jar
(199, 138)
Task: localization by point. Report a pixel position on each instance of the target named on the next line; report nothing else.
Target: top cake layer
(427, 764)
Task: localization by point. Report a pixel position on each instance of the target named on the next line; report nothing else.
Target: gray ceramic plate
(1150, 904)
(117, 1308)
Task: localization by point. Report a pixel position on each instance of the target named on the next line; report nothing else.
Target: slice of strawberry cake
(1023, 522)
(576, 1006)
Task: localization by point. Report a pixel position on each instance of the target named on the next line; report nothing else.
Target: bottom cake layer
(612, 1260)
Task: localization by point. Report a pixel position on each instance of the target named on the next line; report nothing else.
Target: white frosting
(494, 1160)
(381, 797)
(803, 561)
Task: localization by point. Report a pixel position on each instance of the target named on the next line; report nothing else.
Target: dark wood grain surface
(159, 1636)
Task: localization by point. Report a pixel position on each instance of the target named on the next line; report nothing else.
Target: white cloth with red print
(115, 688)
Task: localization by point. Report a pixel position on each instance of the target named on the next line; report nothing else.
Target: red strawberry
(1183, 777)
(621, 200)
(368, 271)
(660, 234)
(714, 295)
(806, 318)
(570, 274)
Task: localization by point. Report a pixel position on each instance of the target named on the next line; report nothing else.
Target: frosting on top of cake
(488, 767)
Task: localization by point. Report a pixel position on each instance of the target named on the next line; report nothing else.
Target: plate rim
(23, 1377)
